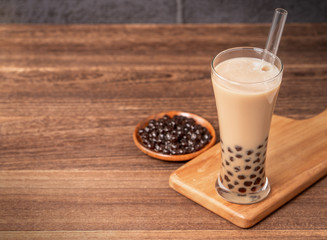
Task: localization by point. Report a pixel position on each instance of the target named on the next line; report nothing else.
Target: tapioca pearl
(261, 171)
(230, 150)
(227, 163)
(222, 149)
(237, 169)
(238, 148)
(226, 178)
(258, 154)
(262, 184)
(266, 139)
(257, 181)
(230, 186)
(231, 159)
(248, 160)
(221, 179)
(236, 183)
(223, 164)
(260, 146)
(249, 152)
(238, 155)
(230, 173)
(242, 190)
(241, 177)
(257, 160)
(257, 168)
(253, 189)
(247, 183)
(247, 167)
(252, 176)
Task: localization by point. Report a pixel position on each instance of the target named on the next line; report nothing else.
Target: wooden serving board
(296, 158)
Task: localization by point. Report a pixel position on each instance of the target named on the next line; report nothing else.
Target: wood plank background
(70, 97)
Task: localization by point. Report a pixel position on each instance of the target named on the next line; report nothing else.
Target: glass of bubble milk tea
(246, 82)
(246, 89)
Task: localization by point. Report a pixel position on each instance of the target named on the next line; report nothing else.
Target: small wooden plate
(199, 120)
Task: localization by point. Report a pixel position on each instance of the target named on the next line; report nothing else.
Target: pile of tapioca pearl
(243, 169)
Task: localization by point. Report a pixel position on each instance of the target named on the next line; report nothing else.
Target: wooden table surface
(70, 96)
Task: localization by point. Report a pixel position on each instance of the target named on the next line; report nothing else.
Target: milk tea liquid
(245, 106)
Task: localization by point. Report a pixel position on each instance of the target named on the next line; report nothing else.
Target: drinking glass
(244, 113)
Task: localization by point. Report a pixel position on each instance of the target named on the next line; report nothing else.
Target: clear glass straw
(275, 34)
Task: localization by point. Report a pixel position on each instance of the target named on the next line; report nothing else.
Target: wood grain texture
(292, 166)
(70, 97)
(167, 234)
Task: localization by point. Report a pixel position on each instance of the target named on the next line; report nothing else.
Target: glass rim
(247, 83)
